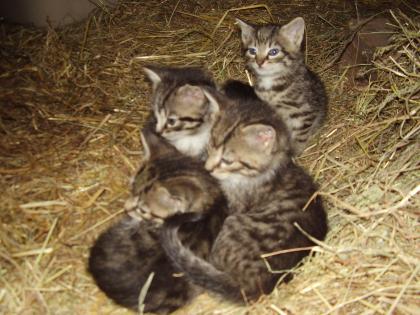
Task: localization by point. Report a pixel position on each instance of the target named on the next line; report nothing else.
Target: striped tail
(196, 269)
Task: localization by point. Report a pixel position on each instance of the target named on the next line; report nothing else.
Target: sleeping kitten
(274, 55)
(124, 255)
(267, 193)
(122, 259)
(182, 113)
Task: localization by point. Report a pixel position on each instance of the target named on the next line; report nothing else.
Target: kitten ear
(163, 195)
(145, 145)
(259, 136)
(167, 200)
(191, 94)
(293, 32)
(154, 145)
(247, 31)
(214, 104)
(154, 75)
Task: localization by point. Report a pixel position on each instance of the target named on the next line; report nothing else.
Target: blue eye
(252, 51)
(273, 52)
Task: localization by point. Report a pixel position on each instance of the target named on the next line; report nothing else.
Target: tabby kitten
(124, 255)
(274, 55)
(238, 90)
(267, 193)
(182, 113)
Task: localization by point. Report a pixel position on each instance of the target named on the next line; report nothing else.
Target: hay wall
(72, 102)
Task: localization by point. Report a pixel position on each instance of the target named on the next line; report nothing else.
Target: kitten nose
(260, 61)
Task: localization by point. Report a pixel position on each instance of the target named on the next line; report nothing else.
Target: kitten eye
(226, 162)
(171, 121)
(273, 52)
(252, 51)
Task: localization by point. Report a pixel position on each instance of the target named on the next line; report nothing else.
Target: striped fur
(266, 192)
(274, 55)
(122, 258)
(182, 114)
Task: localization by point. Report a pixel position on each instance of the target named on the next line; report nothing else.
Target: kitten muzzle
(260, 61)
(213, 160)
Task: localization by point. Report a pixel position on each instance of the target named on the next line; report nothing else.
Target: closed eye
(273, 52)
(249, 166)
(252, 51)
(226, 162)
(191, 119)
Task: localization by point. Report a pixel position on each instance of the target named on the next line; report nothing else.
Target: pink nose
(260, 62)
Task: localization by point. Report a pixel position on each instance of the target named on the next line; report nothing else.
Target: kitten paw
(136, 212)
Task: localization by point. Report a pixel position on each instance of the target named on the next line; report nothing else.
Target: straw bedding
(74, 99)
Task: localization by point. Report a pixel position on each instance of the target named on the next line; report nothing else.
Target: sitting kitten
(274, 55)
(182, 113)
(267, 193)
(124, 255)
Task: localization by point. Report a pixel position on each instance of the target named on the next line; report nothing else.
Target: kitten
(274, 55)
(182, 113)
(122, 259)
(124, 255)
(267, 193)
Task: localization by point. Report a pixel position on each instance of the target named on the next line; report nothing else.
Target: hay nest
(73, 101)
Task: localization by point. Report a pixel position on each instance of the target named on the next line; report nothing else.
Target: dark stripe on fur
(301, 114)
(195, 268)
(191, 119)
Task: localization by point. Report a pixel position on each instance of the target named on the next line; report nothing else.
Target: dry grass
(73, 101)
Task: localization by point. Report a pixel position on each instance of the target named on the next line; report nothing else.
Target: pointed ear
(213, 102)
(247, 31)
(154, 75)
(163, 195)
(259, 136)
(293, 32)
(190, 94)
(167, 200)
(155, 146)
(145, 145)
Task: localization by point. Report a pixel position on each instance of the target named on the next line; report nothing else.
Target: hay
(74, 99)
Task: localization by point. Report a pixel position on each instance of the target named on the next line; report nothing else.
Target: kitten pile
(218, 186)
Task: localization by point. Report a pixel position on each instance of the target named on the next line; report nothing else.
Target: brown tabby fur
(273, 53)
(122, 258)
(181, 112)
(267, 192)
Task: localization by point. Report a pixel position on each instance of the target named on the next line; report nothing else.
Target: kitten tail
(196, 269)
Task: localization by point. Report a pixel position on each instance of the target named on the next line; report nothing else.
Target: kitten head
(183, 113)
(168, 182)
(271, 49)
(248, 143)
